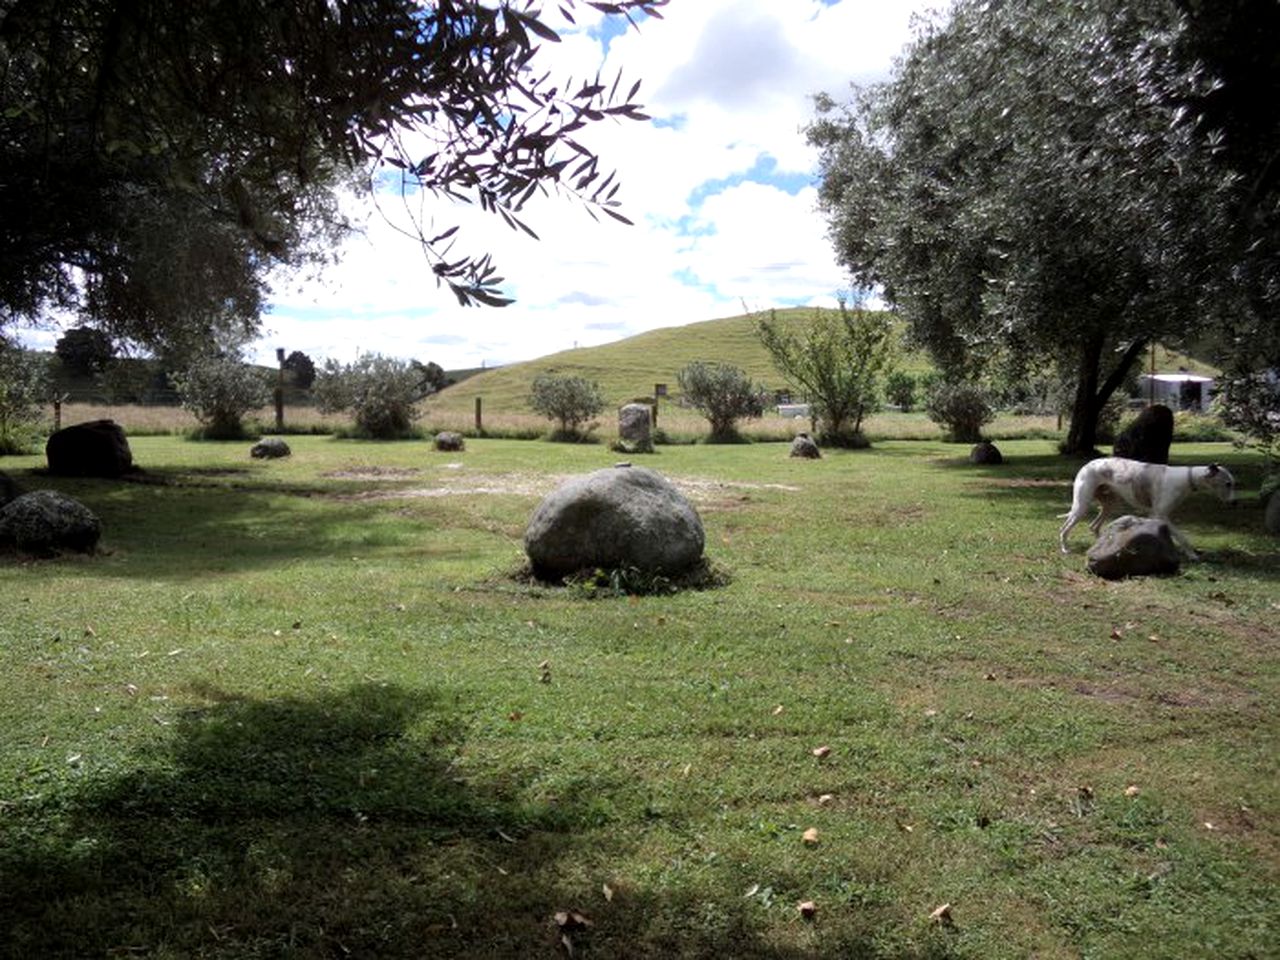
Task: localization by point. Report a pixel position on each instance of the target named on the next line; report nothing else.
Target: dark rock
(804, 446)
(450, 442)
(1148, 437)
(8, 488)
(986, 454)
(635, 428)
(45, 522)
(270, 448)
(97, 448)
(1271, 516)
(612, 518)
(1134, 547)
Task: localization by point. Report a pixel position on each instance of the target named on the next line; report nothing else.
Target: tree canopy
(1038, 182)
(157, 159)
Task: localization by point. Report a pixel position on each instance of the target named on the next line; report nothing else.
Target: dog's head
(1221, 482)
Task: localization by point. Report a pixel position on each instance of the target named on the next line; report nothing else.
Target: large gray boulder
(621, 516)
(1134, 547)
(97, 448)
(1148, 437)
(803, 446)
(45, 522)
(270, 448)
(635, 428)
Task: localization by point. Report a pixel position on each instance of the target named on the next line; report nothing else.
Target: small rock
(270, 448)
(449, 441)
(804, 447)
(986, 454)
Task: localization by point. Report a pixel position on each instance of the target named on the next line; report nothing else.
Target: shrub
(1249, 403)
(723, 394)
(219, 391)
(381, 392)
(24, 383)
(962, 408)
(571, 401)
(900, 388)
(838, 361)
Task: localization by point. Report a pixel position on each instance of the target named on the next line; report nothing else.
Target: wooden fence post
(479, 424)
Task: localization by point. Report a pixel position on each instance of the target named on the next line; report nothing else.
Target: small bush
(962, 409)
(854, 440)
(571, 401)
(24, 383)
(380, 392)
(723, 394)
(1249, 403)
(219, 391)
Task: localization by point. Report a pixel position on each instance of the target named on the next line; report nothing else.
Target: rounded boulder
(270, 448)
(1134, 547)
(45, 522)
(97, 448)
(803, 446)
(617, 517)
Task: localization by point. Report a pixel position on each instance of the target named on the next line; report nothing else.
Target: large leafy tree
(157, 159)
(1033, 185)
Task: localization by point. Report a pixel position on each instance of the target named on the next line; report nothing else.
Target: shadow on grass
(186, 525)
(334, 826)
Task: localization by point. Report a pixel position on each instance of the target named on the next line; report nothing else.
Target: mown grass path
(304, 709)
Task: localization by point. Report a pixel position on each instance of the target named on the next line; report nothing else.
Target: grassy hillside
(629, 368)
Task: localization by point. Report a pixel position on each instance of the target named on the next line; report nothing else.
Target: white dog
(1152, 487)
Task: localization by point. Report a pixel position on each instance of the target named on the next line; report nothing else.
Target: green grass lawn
(300, 709)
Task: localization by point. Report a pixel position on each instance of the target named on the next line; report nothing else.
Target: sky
(720, 186)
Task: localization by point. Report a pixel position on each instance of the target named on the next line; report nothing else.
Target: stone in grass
(1134, 547)
(449, 441)
(45, 522)
(804, 446)
(635, 428)
(1148, 437)
(986, 454)
(270, 448)
(97, 448)
(618, 517)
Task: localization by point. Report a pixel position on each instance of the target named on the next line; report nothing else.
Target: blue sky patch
(764, 170)
(609, 28)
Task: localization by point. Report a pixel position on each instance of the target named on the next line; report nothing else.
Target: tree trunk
(1082, 435)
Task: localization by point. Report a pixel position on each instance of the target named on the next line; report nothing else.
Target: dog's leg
(1079, 507)
(1181, 540)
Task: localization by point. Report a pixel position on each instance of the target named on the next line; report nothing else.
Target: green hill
(628, 369)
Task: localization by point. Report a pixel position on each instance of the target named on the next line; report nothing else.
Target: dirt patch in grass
(710, 494)
(1021, 482)
(372, 473)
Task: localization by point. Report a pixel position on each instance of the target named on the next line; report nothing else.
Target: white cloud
(730, 82)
